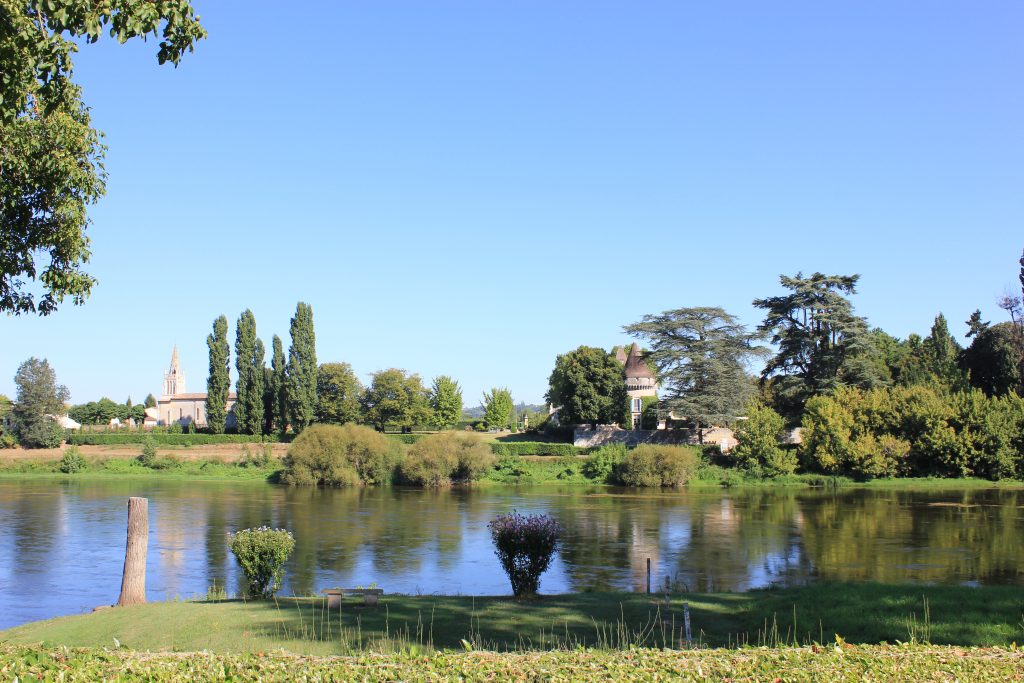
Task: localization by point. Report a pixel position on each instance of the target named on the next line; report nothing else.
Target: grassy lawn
(861, 613)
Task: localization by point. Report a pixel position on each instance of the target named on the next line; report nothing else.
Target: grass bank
(833, 663)
(857, 613)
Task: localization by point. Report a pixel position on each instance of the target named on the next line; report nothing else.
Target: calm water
(62, 543)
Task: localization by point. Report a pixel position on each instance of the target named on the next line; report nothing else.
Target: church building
(176, 405)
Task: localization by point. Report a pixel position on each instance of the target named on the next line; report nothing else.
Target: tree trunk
(133, 580)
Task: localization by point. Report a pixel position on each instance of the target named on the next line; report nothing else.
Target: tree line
(293, 393)
(860, 393)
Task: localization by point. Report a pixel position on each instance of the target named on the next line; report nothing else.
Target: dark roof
(635, 365)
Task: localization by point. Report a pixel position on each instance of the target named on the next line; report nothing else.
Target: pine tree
(218, 384)
(150, 401)
(278, 386)
(300, 378)
(249, 363)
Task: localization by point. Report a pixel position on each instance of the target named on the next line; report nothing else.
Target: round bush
(341, 455)
(72, 461)
(446, 458)
(650, 466)
(524, 546)
(262, 553)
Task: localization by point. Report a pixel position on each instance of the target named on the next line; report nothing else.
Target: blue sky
(472, 188)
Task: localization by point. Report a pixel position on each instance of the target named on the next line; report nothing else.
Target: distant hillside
(477, 412)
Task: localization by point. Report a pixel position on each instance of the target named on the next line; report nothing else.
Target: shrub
(603, 465)
(536, 448)
(148, 456)
(524, 546)
(341, 455)
(162, 437)
(445, 458)
(261, 459)
(72, 462)
(262, 553)
(649, 465)
(757, 444)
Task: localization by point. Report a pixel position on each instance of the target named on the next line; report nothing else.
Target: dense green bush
(914, 431)
(649, 465)
(341, 455)
(537, 448)
(603, 464)
(446, 458)
(72, 461)
(163, 438)
(262, 553)
(757, 448)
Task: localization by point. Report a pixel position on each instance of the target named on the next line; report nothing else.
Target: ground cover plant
(836, 662)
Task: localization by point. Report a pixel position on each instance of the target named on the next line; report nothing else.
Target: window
(637, 403)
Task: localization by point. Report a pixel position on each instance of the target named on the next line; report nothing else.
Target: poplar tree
(269, 401)
(278, 389)
(249, 363)
(300, 377)
(218, 384)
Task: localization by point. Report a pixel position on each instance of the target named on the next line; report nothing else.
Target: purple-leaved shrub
(524, 545)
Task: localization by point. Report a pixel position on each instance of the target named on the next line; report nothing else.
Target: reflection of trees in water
(32, 520)
(918, 536)
(605, 534)
(740, 540)
(335, 528)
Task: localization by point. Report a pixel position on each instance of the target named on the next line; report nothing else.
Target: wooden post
(648, 575)
(133, 579)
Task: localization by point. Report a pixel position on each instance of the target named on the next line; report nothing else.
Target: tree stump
(133, 579)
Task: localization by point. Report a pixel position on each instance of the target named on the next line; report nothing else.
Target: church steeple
(174, 380)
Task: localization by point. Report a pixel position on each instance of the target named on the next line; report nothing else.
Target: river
(62, 541)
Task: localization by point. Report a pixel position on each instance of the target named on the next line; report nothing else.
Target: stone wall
(606, 434)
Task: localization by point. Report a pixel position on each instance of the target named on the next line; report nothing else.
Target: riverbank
(858, 613)
(253, 462)
(832, 663)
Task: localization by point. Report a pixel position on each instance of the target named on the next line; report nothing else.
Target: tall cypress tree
(300, 378)
(277, 386)
(249, 363)
(245, 342)
(269, 401)
(218, 383)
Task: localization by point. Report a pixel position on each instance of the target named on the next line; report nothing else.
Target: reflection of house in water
(178, 406)
(642, 548)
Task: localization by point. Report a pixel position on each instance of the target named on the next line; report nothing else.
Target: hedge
(537, 448)
(163, 439)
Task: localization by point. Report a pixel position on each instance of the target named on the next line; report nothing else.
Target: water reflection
(62, 543)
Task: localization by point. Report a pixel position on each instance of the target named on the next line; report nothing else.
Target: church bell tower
(174, 379)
